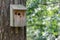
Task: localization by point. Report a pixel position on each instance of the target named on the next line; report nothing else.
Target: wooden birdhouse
(17, 16)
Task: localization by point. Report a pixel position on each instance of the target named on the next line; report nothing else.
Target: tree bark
(7, 32)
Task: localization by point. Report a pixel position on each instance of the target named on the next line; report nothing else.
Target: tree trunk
(7, 32)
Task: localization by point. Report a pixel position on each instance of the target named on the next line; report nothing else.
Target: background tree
(6, 31)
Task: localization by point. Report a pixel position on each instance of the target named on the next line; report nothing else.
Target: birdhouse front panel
(17, 16)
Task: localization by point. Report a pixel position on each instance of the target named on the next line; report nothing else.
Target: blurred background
(43, 19)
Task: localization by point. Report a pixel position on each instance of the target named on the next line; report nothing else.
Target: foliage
(43, 19)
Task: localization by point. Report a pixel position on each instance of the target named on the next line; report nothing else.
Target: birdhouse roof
(19, 7)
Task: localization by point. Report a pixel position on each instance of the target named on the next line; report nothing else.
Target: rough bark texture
(7, 32)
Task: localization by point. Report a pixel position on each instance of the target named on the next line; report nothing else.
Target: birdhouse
(17, 16)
